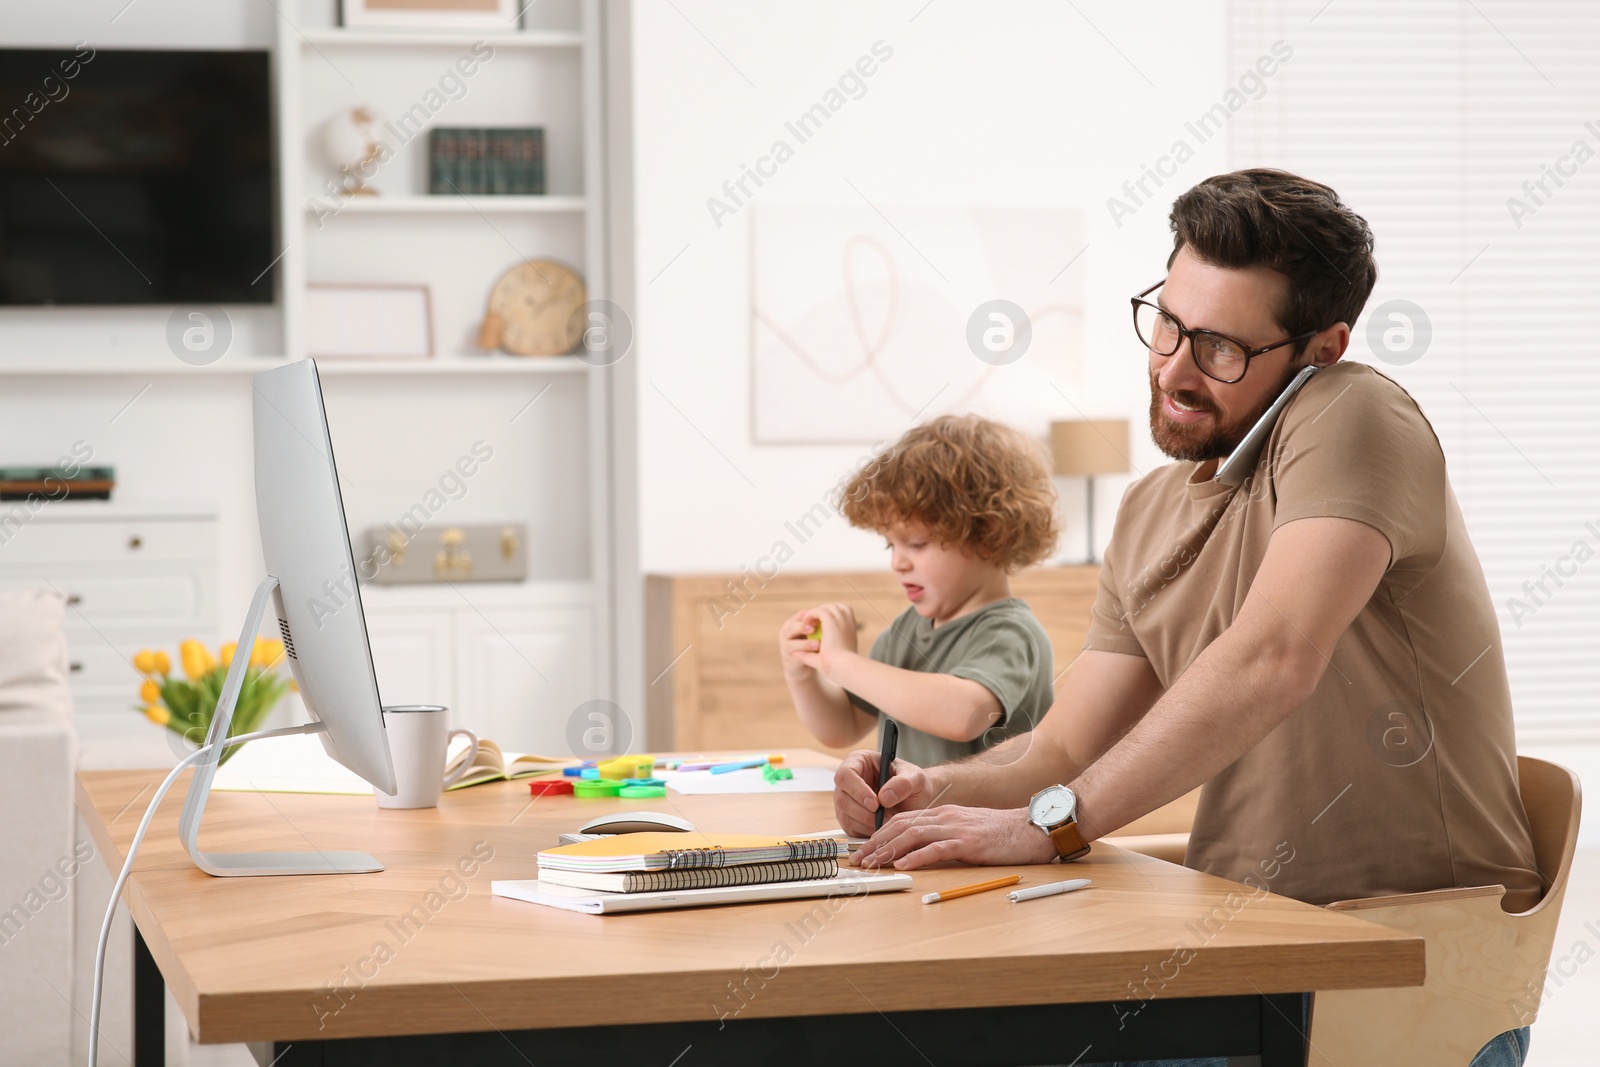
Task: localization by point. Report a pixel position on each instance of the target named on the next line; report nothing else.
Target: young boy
(962, 502)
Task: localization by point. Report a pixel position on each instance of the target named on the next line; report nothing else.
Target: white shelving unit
(143, 366)
(512, 659)
(338, 38)
(460, 205)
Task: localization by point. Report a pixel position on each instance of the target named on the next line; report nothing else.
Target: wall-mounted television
(135, 177)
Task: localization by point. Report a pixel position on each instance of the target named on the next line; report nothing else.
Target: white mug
(419, 737)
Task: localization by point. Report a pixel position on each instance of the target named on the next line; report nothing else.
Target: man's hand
(855, 798)
(982, 837)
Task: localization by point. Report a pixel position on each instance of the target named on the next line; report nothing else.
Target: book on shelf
(691, 877)
(486, 161)
(492, 764)
(57, 483)
(683, 851)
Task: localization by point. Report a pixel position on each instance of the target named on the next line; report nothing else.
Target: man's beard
(1192, 441)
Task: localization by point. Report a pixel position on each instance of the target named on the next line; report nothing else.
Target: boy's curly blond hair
(970, 481)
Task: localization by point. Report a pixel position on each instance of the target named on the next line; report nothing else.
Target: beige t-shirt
(1399, 774)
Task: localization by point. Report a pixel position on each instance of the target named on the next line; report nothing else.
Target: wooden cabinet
(715, 679)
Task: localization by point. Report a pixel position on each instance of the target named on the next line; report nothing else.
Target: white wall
(1017, 104)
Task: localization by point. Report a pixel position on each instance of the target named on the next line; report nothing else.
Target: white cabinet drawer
(114, 736)
(124, 541)
(413, 655)
(100, 664)
(102, 670)
(146, 598)
(523, 674)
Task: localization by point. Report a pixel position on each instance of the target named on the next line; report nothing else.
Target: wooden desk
(321, 970)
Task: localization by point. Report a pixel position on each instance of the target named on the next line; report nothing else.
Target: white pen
(1048, 890)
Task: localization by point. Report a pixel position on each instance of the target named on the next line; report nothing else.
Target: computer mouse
(635, 822)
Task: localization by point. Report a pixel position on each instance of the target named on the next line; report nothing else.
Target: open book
(492, 764)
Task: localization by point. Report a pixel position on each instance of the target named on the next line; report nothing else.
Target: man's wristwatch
(1054, 809)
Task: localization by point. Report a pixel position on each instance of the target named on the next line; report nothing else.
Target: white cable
(133, 850)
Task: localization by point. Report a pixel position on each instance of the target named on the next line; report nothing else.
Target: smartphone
(1237, 467)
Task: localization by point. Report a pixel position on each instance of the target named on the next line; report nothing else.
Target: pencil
(968, 890)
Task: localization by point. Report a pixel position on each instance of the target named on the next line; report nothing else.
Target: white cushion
(36, 761)
(33, 657)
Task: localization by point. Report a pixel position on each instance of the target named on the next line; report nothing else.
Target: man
(1317, 646)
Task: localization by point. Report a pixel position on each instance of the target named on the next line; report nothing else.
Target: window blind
(1468, 135)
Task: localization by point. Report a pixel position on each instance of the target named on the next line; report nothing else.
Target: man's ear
(1327, 347)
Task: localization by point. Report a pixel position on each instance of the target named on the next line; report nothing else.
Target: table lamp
(1087, 448)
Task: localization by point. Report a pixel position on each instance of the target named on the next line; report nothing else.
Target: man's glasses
(1217, 355)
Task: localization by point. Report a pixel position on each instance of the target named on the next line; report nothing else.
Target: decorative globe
(351, 143)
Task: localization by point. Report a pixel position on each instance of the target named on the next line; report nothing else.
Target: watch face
(1053, 806)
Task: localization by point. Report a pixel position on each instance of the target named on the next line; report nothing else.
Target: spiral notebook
(844, 884)
(677, 851)
(692, 877)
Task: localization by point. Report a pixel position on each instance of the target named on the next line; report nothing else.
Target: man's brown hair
(970, 481)
(1298, 227)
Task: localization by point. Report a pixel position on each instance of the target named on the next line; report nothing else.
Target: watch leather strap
(1069, 841)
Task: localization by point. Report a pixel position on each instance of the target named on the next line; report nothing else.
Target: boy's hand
(795, 641)
(838, 623)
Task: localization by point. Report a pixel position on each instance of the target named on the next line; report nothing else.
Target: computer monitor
(311, 582)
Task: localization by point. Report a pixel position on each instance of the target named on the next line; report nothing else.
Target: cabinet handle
(73, 600)
(135, 543)
(75, 668)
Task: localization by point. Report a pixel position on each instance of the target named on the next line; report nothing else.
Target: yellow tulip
(227, 651)
(258, 653)
(157, 714)
(275, 653)
(197, 660)
(163, 663)
(144, 661)
(150, 692)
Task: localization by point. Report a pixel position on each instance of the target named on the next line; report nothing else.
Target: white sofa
(44, 860)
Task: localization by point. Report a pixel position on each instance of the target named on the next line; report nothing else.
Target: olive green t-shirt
(1399, 774)
(1002, 647)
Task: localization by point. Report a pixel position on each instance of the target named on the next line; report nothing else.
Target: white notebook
(845, 883)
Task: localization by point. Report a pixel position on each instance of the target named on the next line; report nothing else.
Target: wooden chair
(1486, 967)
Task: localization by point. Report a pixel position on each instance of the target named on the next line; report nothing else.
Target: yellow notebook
(678, 851)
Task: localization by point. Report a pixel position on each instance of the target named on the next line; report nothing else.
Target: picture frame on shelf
(493, 16)
(368, 320)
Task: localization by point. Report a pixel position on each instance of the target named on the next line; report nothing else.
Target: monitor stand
(245, 864)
